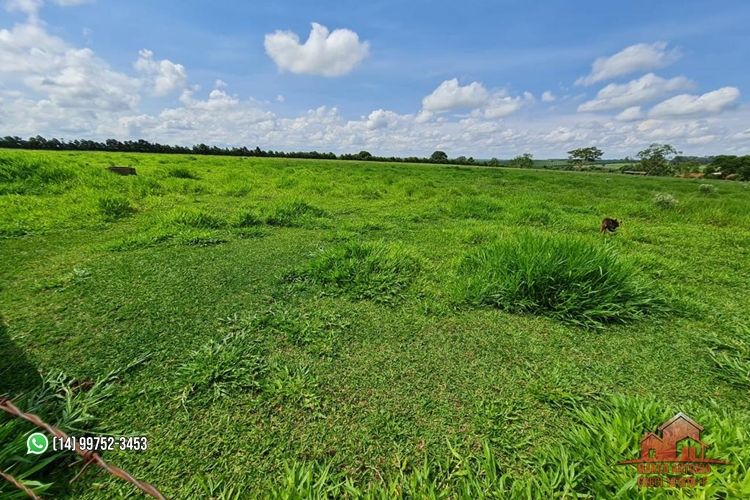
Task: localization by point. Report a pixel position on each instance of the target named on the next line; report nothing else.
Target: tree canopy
(656, 159)
(581, 156)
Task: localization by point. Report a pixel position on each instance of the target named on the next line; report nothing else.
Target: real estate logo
(677, 458)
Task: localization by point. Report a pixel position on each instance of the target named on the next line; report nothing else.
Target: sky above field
(473, 78)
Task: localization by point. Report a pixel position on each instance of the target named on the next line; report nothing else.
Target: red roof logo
(679, 442)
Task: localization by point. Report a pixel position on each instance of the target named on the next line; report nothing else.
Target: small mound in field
(376, 271)
(569, 279)
(295, 214)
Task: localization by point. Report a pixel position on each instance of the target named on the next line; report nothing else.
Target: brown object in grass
(609, 225)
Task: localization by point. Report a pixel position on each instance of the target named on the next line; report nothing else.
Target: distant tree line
(658, 159)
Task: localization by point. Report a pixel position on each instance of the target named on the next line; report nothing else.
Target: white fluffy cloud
(501, 105)
(548, 97)
(630, 114)
(164, 76)
(638, 57)
(327, 54)
(31, 7)
(686, 105)
(450, 95)
(54, 89)
(645, 89)
(68, 77)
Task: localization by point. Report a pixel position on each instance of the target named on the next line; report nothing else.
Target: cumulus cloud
(219, 83)
(686, 105)
(630, 114)
(450, 95)
(280, 98)
(638, 57)
(645, 89)
(164, 76)
(66, 76)
(548, 97)
(501, 105)
(327, 54)
(30, 7)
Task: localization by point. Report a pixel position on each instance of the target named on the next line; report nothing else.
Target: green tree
(439, 157)
(581, 156)
(656, 159)
(364, 155)
(494, 162)
(523, 161)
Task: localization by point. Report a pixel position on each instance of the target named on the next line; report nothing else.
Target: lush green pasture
(312, 329)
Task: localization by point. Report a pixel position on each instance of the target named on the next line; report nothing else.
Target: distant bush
(664, 200)
(115, 207)
(565, 278)
(707, 189)
(182, 173)
(376, 271)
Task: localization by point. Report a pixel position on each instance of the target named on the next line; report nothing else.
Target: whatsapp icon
(36, 444)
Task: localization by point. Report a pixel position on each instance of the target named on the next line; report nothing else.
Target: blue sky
(472, 78)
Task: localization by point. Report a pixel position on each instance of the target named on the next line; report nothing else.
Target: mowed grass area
(311, 329)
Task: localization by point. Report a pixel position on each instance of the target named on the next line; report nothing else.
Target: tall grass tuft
(182, 173)
(198, 220)
(59, 401)
(115, 207)
(22, 175)
(566, 278)
(474, 207)
(377, 271)
(731, 357)
(222, 367)
(295, 214)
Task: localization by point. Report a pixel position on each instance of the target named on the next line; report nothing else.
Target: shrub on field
(294, 214)
(376, 271)
(115, 207)
(182, 173)
(566, 278)
(664, 200)
(707, 189)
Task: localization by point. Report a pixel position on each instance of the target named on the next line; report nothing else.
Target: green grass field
(315, 329)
